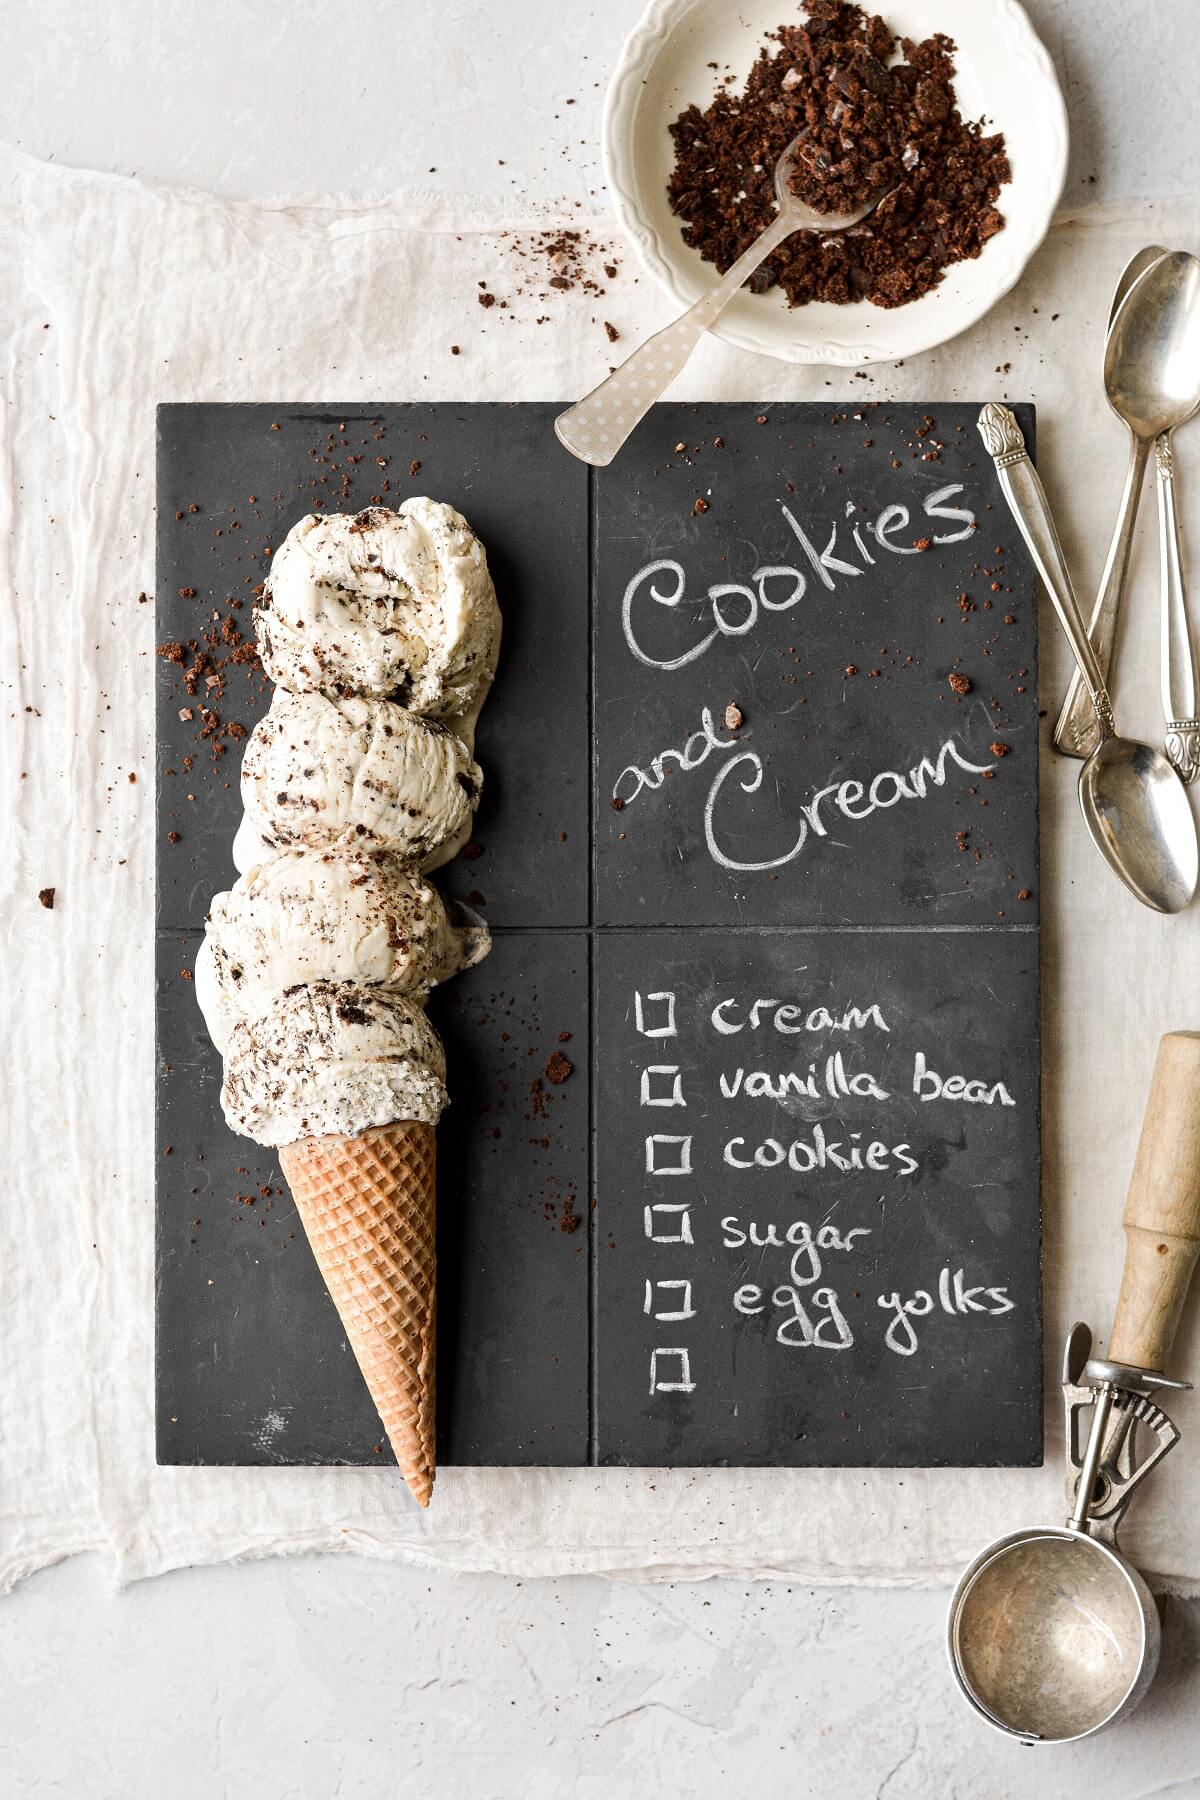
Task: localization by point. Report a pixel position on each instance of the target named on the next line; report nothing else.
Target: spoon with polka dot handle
(595, 429)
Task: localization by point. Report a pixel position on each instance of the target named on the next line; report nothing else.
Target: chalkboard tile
(964, 1221)
(842, 673)
(530, 509)
(252, 1366)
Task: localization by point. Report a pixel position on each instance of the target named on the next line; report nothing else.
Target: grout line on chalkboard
(593, 1229)
(593, 1220)
(501, 931)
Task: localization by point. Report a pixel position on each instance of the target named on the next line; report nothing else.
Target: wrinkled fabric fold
(119, 296)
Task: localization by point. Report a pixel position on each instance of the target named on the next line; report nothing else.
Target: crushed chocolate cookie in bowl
(872, 115)
(952, 115)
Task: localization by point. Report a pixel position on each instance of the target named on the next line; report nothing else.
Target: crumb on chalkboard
(701, 504)
(558, 1067)
(734, 716)
(961, 684)
(999, 749)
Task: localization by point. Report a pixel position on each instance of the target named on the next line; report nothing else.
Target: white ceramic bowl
(1003, 75)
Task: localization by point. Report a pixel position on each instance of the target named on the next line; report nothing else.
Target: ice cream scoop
(332, 1058)
(391, 605)
(326, 915)
(321, 773)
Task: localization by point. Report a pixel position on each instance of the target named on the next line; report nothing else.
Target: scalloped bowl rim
(1034, 122)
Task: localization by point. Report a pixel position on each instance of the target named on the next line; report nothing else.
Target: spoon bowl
(1152, 383)
(1152, 353)
(800, 215)
(1053, 1635)
(1137, 811)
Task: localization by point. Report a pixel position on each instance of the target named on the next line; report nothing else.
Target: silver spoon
(598, 425)
(1152, 380)
(1180, 679)
(1134, 804)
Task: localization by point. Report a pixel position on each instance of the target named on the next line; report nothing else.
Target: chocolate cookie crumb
(701, 505)
(611, 332)
(46, 898)
(870, 124)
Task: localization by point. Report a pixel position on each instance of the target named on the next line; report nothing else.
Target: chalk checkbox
(683, 1383)
(674, 1213)
(669, 1300)
(654, 1014)
(662, 1085)
(668, 1155)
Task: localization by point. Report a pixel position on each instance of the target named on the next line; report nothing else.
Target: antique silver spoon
(1152, 379)
(1134, 804)
(595, 428)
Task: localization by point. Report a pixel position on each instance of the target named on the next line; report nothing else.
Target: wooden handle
(1162, 1213)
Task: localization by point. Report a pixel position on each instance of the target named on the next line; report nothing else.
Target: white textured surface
(301, 1678)
(320, 1678)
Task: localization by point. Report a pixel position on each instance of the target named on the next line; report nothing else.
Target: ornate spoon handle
(1076, 733)
(1178, 652)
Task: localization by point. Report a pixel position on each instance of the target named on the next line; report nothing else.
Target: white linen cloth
(117, 296)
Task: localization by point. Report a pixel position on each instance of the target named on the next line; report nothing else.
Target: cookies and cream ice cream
(324, 772)
(380, 630)
(360, 916)
(326, 1058)
(391, 605)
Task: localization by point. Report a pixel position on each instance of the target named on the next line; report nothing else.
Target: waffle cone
(367, 1204)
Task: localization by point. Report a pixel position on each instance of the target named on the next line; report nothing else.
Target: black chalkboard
(765, 732)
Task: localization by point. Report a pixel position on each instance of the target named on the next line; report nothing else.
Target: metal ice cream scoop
(1053, 1634)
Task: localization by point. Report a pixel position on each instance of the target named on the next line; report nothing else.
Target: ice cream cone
(367, 1204)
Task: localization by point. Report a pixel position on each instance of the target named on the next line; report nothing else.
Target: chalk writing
(803, 1155)
(928, 1085)
(735, 606)
(696, 750)
(953, 1297)
(855, 803)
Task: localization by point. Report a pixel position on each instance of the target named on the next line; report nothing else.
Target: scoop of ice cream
(326, 915)
(393, 605)
(322, 772)
(327, 1059)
